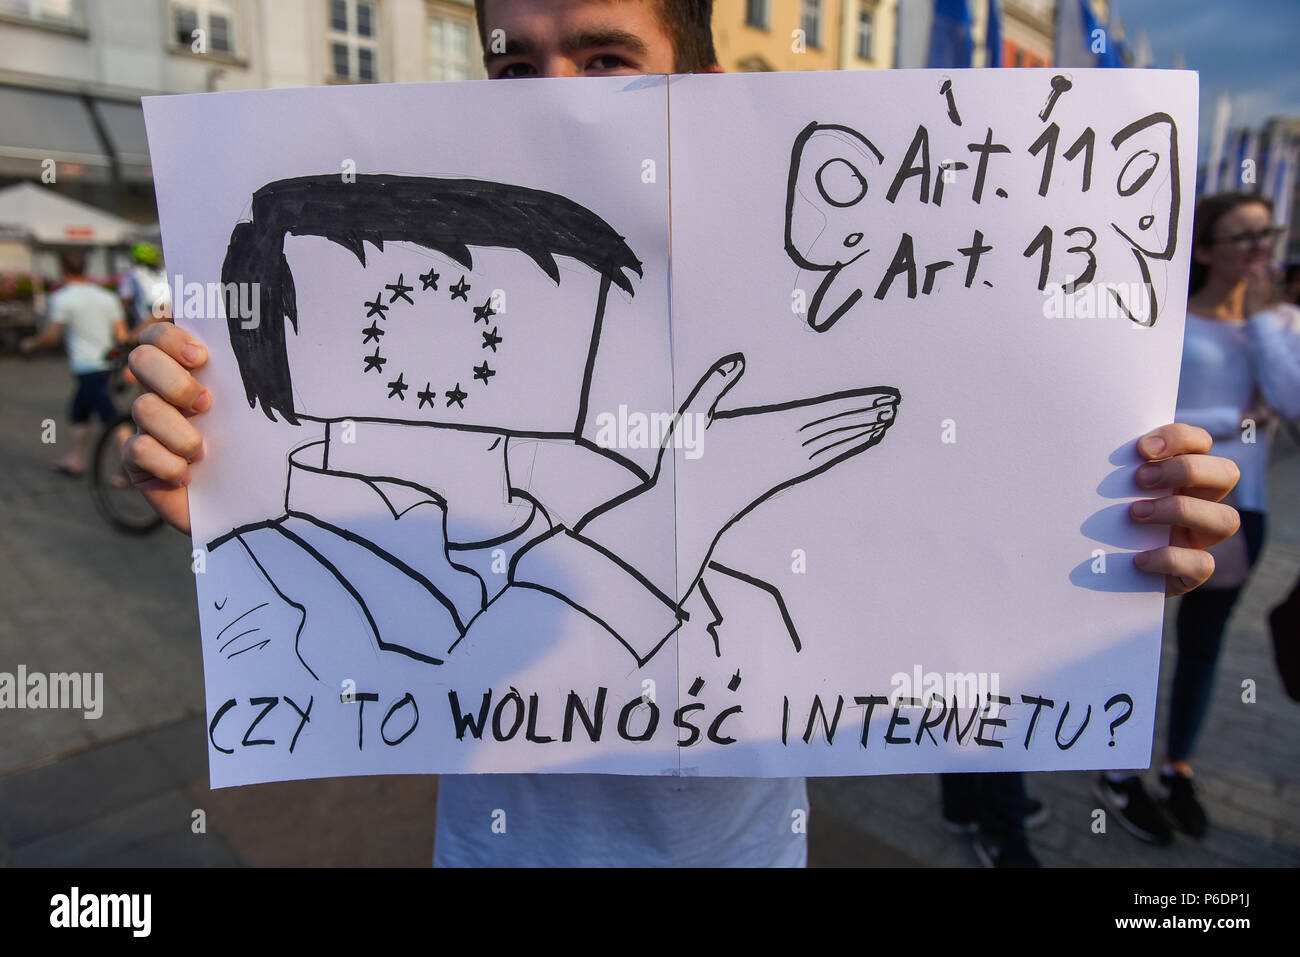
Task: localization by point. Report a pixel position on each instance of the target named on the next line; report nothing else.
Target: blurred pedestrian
(1239, 366)
(89, 321)
(143, 289)
(994, 810)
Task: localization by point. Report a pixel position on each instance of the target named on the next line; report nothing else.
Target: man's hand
(1177, 458)
(158, 459)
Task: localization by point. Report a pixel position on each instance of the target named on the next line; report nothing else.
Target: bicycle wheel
(115, 497)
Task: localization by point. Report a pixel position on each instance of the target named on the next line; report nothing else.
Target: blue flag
(950, 35)
(993, 35)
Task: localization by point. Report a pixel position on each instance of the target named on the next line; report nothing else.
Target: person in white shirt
(89, 322)
(1240, 365)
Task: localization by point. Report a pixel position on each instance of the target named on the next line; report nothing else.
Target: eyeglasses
(1246, 240)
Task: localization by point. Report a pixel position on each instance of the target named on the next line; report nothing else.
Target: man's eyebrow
(514, 47)
(574, 43)
(603, 38)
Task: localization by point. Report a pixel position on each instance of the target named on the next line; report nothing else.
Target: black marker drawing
(827, 214)
(421, 588)
(1153, 141)
(824, 231)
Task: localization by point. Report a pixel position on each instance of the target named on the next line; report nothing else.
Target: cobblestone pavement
(128, 789)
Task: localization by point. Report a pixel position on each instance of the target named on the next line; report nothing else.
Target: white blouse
(1224, 362)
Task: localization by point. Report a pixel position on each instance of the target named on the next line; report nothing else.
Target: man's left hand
(1177, 458)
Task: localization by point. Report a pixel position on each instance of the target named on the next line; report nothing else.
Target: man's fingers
(176, 342)
(161, 373)
(165, 423)
(1183, 568)
(146, 459)
(1174, 439)
(1209, 477)
(1207, 523)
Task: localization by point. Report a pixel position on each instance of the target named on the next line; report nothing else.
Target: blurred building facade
(72, 72)
(759, 35)
(1027, 32)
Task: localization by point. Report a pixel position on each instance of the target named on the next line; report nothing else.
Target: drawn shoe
(1004, 852)
(1133, 808)
(1180, 803)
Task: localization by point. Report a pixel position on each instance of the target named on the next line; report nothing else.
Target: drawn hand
(755, 452)
(158, 458)
(1177, 459)
(747, 455)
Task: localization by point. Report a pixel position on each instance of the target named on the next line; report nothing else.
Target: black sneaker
(1006, 852)
(1037, 813)
(1134, 809)
(1179, 802)
(956, 826)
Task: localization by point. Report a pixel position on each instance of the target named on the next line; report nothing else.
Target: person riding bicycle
(143, 289)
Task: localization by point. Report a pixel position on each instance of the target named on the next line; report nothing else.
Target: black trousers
(1202, 619)
(996, 801)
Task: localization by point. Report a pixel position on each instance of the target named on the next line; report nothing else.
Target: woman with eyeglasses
(1240, 361)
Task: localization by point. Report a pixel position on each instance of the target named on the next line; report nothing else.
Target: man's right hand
(158, 458)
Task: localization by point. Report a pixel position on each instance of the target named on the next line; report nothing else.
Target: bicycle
(115, 498)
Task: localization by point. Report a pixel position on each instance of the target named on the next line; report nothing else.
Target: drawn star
(400, 290)
(376, 308)
(491, 340)
(460, 290)
(429, 280)
(375, 362)
(483, 373)
(428, 395)
(483, 311)
(398, 388)
(457, 396)
(372, 332)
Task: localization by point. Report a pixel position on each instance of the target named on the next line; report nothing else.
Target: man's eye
(607, 63)
(517, 69)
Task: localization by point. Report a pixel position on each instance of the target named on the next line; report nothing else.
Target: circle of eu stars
(391, 299)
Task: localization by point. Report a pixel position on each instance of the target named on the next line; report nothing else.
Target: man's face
(576, 38)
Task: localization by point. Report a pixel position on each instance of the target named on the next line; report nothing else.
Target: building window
(758, 13)
(866, 24)
(204, 26)
(449, 49)
(55, 13)
(811, 22)
(354, 40)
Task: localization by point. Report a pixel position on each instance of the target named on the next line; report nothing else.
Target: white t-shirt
(87, 314)
(605, 820)
(1224, 363)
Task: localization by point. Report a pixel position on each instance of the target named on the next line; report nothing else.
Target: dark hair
(72, 262)
(688, 23)
(1209, 210)
(444, 215)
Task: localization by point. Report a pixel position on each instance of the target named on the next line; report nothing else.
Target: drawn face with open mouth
(827, 220)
